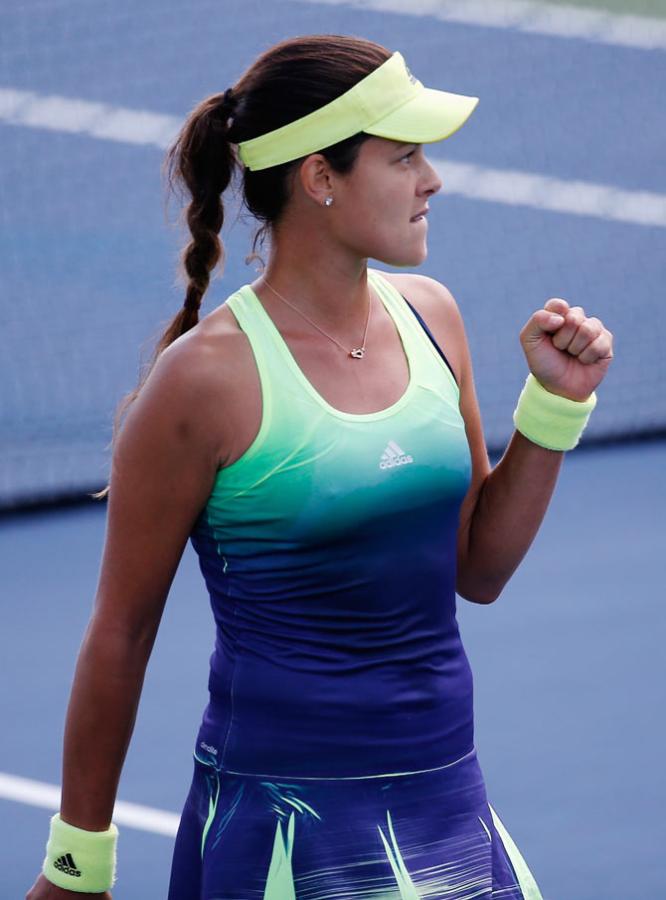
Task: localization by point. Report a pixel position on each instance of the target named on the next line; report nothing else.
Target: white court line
(47, 796)
(640, 32)
(505, 186)
(578, 198)
(99, 120)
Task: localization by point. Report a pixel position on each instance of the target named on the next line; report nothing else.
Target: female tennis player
(318, 438)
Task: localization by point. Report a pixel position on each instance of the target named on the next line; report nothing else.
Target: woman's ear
(316, 178)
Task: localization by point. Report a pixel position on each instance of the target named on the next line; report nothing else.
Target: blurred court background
(555, 187)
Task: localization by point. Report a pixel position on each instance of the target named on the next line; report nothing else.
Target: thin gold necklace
(355, 352)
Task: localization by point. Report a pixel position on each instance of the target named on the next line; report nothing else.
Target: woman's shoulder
(208, 374)
(432, 299)
(438, 307)
(421, 290)
(207, 353)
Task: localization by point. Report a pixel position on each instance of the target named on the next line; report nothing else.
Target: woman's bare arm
(509, 510)
(505, 505)
(163, 469)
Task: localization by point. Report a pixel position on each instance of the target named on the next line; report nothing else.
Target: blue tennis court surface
(568, 664)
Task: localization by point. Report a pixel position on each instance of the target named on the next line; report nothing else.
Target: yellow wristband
(78, 860)
(549, 420)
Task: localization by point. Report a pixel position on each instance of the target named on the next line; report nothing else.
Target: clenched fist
(567, 352)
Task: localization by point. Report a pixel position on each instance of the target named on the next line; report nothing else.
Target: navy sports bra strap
(430, 335)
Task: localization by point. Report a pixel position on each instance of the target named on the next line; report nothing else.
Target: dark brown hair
(285, 83)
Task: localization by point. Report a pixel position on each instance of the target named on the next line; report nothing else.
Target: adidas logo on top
(67, 865)
(394, 456)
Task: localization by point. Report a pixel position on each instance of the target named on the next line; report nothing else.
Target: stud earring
(328, 201)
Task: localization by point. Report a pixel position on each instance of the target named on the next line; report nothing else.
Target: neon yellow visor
(389, 102)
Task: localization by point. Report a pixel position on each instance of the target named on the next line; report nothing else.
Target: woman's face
(375, 204)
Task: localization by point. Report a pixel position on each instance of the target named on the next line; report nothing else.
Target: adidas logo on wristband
(67, 866)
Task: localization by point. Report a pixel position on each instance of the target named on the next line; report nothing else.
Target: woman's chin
(407, 261)
(405, 255)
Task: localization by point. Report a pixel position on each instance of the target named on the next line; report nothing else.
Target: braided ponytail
(200, 164)
(201, 160)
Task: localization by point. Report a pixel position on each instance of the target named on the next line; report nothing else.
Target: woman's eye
(408, 155)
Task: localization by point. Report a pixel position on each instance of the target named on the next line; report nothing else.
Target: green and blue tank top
(329, 552)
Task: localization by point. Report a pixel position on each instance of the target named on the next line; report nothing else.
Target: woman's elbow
(484, 599)
(475, 592)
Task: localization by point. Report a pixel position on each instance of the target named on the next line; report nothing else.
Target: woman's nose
(432, 181)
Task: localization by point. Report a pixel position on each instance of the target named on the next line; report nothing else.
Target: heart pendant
(357, 354)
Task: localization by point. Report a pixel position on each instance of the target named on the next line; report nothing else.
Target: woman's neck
(331, 290)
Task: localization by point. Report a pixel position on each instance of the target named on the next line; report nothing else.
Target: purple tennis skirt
(400, 836)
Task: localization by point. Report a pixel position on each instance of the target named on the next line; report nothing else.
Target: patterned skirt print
(399, 836)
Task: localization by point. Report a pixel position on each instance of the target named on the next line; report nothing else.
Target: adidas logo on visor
(67, 865)
(394, 456)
